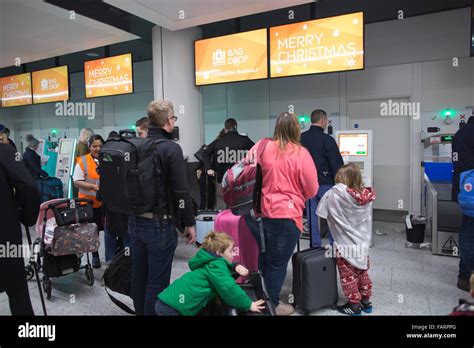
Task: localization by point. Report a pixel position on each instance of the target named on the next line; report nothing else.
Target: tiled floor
(406, 282)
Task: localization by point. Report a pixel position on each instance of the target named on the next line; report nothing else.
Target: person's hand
(96, 188)
(242, 270)
(257, 306)
(198, 173)
(211, 172)
(190, 234)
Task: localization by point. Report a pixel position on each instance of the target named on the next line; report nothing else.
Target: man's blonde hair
(159, 111)
(217, 242)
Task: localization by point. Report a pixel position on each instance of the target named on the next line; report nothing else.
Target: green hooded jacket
(210, 276)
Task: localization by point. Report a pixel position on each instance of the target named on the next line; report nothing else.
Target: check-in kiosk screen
(66, 148)
(354, 144)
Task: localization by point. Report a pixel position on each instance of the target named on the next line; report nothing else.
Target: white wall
(112, 113)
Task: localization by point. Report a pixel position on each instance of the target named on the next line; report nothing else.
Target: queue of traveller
(295, 169)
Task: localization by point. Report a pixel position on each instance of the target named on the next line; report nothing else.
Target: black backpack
(118, 277)
(130, 181)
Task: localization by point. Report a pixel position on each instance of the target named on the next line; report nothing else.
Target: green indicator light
(54, 131)
(360, 152)
(133, 127)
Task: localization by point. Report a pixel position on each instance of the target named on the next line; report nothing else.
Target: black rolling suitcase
(314, 280)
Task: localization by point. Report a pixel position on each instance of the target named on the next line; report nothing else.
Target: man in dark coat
(19, 203)
(463, 159)
(327, 159)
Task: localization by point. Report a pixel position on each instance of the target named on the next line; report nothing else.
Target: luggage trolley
(65, 231)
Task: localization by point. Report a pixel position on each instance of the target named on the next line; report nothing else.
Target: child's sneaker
(350, 309)
(366, 306)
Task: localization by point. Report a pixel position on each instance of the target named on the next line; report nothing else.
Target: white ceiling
(34, 30)
(169, 13)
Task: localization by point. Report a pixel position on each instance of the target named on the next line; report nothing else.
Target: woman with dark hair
(87, 179)
(289, 179)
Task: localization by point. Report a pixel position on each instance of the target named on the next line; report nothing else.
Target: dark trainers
(366, 306)
(96, 262)
(464, 285)
(350, 309)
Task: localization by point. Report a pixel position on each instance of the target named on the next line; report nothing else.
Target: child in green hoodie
(210, 276)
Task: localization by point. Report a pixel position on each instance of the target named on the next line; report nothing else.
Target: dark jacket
(170, 161)
(32, 163)
(463, 145)
(20, 201)
(12, 143)
(325, 153)
(222, 154)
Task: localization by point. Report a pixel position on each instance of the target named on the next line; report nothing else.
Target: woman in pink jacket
(289, 179)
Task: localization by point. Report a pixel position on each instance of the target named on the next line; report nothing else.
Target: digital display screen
(447, 138)
(16, 90)
(109, 76)
(354, 144)
(318, 46)
(66, 147)
(231, 58)
(50, 85)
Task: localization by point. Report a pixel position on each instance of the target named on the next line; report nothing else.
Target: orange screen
(231, 58)
(50, 85)
(16, 90)
(109, 76)
(318, 46)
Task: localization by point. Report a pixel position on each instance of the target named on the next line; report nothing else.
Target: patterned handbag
(75, 239)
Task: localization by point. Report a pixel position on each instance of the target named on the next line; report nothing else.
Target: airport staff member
(19, 204)
(328, 160)
(87, 180)
(463, 147)
(153, 236)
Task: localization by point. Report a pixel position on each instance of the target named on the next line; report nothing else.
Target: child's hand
(257, 306)
(242, 270)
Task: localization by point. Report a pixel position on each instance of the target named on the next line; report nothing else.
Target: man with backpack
(462, 192)
(153, 234)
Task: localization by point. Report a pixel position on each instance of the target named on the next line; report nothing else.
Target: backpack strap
(119, 303)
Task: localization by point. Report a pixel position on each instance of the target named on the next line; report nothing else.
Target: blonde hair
(159, 111)
(287, 130)
(85, 135)
(351, 176)
(217, 242)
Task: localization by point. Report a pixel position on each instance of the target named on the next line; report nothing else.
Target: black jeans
(19, 299)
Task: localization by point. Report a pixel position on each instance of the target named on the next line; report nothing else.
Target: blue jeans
(466, 247)
(281, 236)
(153, 245)
(111, 242)
(311, 206)
(162, 308)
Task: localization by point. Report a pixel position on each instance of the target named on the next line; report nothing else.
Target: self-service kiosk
(356, 146)
(65, 164)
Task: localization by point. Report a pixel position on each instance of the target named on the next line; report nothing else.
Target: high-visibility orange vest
(89, 167)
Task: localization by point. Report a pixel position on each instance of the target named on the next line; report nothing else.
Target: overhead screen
(16, 90)
(50, 85)
(231, 58)
(318, 46)
(109, 76)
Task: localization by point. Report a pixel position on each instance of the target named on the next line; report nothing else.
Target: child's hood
(204, 257)
(359, 198)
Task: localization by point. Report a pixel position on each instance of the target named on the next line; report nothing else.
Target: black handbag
(80, 213)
